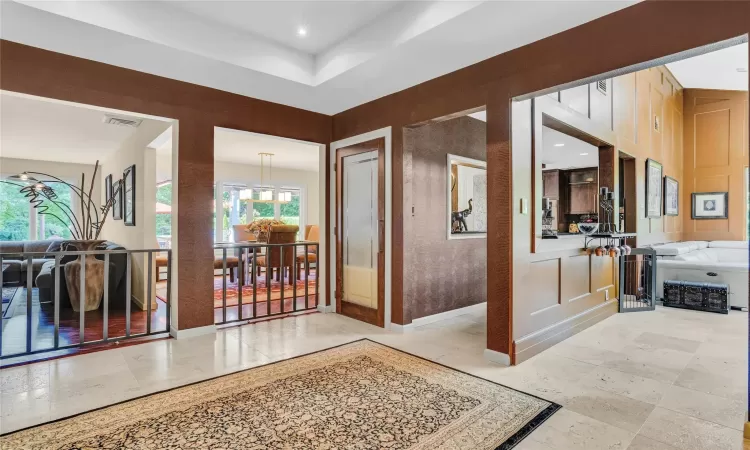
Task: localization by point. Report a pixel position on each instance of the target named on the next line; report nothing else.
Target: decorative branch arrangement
(84, 226)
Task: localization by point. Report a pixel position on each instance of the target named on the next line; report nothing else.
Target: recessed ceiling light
(302, 31)
(742, 69)
(584, 154)
(560, 145)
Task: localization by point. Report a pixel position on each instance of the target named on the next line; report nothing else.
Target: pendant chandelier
(265, 192)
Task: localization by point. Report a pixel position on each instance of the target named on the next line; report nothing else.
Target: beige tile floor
(662, 380)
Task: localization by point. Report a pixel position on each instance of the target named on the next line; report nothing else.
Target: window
(239, 207)
(20, 221)
(164, 214)
(15, 213)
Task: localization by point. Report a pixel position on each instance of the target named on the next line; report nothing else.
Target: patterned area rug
(361, 395)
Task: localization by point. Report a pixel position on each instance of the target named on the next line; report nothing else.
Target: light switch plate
(524, 206)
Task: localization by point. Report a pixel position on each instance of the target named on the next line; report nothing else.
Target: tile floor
(663, 380)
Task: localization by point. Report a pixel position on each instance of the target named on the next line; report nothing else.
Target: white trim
(479, 307)
(192, 332)
(381, 133)
(401, 328)
(476, 162)
(497, 357)
(326, 308)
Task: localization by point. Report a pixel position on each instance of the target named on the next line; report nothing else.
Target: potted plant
(261, 227)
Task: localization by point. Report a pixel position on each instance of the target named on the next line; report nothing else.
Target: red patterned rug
(261, 290)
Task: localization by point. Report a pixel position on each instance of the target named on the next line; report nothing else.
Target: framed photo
(107, 188)
(117, 203)
(710, 205)
(671, 197)
(128, 196)
(654, 172)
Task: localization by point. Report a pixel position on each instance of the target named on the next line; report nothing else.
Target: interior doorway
(360, 231)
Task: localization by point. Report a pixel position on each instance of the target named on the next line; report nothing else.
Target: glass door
(360, 232)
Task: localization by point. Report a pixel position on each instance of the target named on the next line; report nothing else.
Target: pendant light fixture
(266, 189)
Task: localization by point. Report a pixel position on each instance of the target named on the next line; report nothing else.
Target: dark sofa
(43, 269)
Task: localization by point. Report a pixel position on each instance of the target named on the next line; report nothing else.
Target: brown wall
(445, 274)
(716, 155)
(198, 109)
(599, 46)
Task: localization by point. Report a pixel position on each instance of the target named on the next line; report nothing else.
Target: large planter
(94, 277)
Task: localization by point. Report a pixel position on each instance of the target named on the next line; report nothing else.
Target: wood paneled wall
(716, 156)
(558, 289)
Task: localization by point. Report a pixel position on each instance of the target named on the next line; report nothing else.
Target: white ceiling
(36, 129)
(354, 52)
(327, 22)
(570, 155)
(242, 147)
(715, 70)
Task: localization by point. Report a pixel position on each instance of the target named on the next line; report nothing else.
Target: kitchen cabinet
(551, 183)
(583, 190)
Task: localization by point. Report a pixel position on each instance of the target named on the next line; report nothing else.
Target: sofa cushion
(11, 247)
(13, 266)
(702, 265)
(36, 264)
(675, 248)
(36, 246)
(55, 246)
(728, 244)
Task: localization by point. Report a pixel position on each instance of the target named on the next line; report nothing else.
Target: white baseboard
(448, 314)
(401, 328)
(327, 308)
(192, 332)
(497, 357)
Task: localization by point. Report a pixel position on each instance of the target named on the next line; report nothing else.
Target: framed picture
(117, 203)
(128, 196)
(653, 188)
(107, 188)
(710, 205)
(671, 197)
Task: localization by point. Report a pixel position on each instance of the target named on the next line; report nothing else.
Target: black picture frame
(128, 196)
(668, 211)
(654, 193)
(107, 188)
(117, 203)
(696, 198)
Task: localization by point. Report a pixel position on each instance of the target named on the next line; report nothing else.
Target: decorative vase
(94, 276)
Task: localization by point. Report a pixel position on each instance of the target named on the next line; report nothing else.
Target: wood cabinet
(583, 188)
(551, 184)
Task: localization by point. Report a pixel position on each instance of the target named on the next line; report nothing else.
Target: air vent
(601, 86)
(121, 121)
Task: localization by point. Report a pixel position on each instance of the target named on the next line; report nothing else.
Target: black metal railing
(245, 262)
(115, 312)
(638, 280)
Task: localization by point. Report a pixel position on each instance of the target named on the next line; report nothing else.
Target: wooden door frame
(347, 308)
(380, 133)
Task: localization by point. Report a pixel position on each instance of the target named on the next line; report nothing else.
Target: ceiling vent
(121, 121)
(601, 86)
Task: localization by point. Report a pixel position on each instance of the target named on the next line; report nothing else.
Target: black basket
(698, 296)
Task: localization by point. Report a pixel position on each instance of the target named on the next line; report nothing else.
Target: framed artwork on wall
(654, 172)
(671, 197)
(117, 204)
(128, 196)
(710, 205)
(107, 188)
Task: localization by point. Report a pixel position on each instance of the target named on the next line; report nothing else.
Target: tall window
(20, 221)
(15, 214)
(239, 211)
(164, 215)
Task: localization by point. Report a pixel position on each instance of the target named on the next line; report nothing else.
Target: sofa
(43, 269)
(723, 262)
